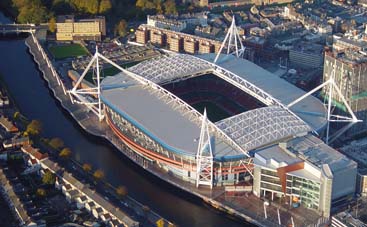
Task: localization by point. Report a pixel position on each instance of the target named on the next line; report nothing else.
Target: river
(34, 100)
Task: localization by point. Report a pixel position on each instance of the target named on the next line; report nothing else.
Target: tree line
(159, 6)
(40, 11)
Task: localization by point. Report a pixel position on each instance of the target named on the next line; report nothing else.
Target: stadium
(157, 109)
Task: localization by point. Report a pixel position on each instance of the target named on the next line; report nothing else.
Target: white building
(306, 171)
(81, 201)
(90, 206)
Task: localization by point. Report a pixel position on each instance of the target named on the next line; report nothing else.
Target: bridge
(20, 28)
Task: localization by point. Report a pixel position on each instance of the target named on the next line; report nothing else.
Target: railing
(49, 64)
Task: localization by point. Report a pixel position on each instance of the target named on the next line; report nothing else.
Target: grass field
(67, 51)
(215, 113)
(109, 71)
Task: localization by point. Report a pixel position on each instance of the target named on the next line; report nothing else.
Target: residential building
(176, 41)
(348, 67)
(142, 35)
(8, 125)
(306, 55)
(161, 21)
(267, 2)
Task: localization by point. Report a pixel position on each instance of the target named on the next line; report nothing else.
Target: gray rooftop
(318, 153)
(159, 120)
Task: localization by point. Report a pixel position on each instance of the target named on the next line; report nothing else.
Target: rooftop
(134, 101)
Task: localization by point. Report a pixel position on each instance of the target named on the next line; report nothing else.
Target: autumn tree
(48, 178)
(16, 115)
(34, 128)
(121, 28)
(87, 167)
(52, 25)
(98, 174)
(105, 6)
(145, 4)
(92, 6)
(170, 7)
(158, 6)
(31, 11)
(41, 192)
(65, 153)
(121, 191)
(56, 143)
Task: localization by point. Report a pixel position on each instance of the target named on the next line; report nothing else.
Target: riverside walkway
(249, 207)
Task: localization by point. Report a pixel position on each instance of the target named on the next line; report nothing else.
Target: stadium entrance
(220, 98)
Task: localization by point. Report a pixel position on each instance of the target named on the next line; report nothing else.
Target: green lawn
(67, 51)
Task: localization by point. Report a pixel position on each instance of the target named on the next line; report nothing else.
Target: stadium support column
(204, 156)
(331, 86)
(89, 96)
(231, 42)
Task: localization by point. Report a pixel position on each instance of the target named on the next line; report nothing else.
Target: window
(224, 175)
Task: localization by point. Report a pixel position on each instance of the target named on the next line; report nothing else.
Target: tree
(65, 153)
(87, 167)
(105, 6)
(145, 4)
(158, 6)
(31, 11)
(121, 28)
(48, 178)
(60, 7)
(56, 143)
(121, 191)
(92, 6)
(16, 115)
(141, 4)
(34, 128)
(170, 7)
(160, 223)
(41, 192)
(98, 174)
(52, 25)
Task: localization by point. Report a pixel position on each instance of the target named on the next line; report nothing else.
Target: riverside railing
(49, 64)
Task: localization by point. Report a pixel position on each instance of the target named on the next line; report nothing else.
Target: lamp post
(266, 203)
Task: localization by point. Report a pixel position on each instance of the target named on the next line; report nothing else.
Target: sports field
(67, 51)
(215, 113)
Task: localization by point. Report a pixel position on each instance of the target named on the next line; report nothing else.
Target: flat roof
(311, 109)
(318, 153)
(278, 155)
(140, 105)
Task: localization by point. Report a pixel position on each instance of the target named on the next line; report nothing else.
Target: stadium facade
(264, 144)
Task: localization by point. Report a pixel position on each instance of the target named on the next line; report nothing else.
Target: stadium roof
(311, 110)
(157, 118)
(258, 82)
(176, 125)
(169, 68)
(262, 126)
